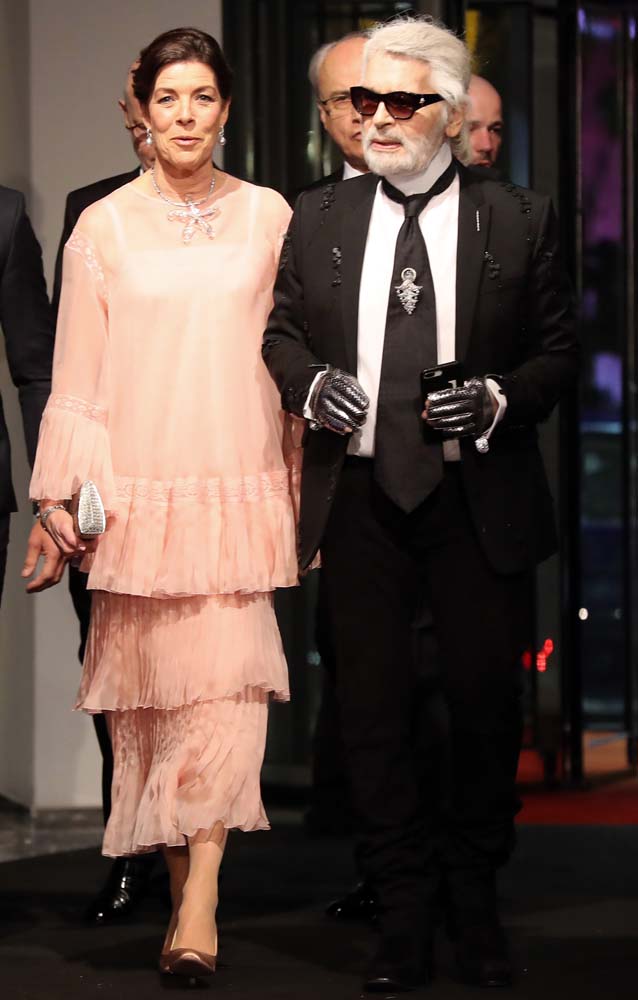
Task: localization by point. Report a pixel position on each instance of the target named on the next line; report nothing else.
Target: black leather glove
(338, 402)
(467, 410)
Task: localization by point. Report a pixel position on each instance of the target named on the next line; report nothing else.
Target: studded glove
(338, 402)
(462, 412)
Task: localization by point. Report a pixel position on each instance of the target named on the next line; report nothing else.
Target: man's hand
(40, 544)
(339, 403)
(57, 548)
(468, 410)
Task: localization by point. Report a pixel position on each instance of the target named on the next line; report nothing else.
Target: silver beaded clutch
(87, 509)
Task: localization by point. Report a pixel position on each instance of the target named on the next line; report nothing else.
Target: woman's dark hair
(181, 45)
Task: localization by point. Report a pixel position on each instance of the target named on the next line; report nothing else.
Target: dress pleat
(185, 685)
(179, 772)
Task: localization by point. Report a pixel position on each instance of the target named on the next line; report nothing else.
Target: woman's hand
(59, 527)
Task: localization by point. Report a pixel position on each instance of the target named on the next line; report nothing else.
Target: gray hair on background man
(448, 57)
(318, 58)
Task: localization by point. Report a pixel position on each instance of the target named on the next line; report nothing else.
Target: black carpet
(570, 900)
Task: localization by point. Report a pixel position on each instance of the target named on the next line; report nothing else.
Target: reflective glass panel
(601, 401)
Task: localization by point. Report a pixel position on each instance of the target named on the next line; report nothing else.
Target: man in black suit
(128, 878)
(27, 325)
(447, 498)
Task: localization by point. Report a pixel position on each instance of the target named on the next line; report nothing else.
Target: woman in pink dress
(161, 398)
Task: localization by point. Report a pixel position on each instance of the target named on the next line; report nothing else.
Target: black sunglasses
(399, 104)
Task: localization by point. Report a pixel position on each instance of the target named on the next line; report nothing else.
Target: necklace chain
(181, 204)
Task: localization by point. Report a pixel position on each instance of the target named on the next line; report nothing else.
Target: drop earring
(221, 138)
(149, 137)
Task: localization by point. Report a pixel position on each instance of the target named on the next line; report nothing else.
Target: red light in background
(526, 659)
(543, 655)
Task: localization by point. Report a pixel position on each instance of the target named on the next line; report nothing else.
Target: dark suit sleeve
(71, 215)
(27, 323)
(552, 349)
(286, 349)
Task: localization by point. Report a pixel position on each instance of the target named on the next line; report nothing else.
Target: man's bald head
(133, 121)
(485, 119)
(333, 69)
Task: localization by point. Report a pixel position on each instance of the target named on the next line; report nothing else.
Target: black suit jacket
(76, 202)
(514, 317)
(333, 178)
(27, 324)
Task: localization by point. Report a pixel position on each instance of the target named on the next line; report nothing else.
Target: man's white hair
(318, 59)
(449, 59)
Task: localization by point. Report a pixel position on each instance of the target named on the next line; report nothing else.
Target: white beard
(414, 157)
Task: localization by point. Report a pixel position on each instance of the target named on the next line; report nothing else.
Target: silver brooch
(482, 445)
(407, 291)
(194, 219)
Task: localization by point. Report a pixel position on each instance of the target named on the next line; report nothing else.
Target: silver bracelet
(44, 514)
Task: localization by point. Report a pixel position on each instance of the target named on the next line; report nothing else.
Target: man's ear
(454, 122)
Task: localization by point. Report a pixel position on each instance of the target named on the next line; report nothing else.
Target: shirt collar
(350, 171)
(423, 181)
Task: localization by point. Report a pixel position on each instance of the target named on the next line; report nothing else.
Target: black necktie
(408, 464)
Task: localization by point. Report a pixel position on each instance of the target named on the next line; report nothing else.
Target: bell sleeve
(73, 444)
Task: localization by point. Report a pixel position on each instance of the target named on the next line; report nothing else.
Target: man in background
(485, 121)
(78, 200)
(128, 878)
(333, 69)
(27, 324)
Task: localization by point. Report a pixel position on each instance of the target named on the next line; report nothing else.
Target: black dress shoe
(360, 904)
(482, 955)
(123, 890)
(398, 966)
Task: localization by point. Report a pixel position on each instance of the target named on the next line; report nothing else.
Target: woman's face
(185, 113)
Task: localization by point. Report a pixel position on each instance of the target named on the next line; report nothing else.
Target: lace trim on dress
(80, 244)
(73, 404)
(227, 490)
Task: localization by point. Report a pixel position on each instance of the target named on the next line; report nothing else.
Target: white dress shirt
(439, 226)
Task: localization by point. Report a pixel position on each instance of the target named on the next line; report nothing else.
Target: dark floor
(570, 900)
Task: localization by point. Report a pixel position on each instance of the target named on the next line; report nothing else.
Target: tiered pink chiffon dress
(160, 396)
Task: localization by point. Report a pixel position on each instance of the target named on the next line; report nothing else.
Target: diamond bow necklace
(188, 211)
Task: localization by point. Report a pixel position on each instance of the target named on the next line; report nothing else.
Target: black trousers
(380, 566)
(331, 807)
(331, 797)
(81, 598)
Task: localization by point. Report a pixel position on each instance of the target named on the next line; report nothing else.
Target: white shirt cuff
(501, 401)
(307, 412)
